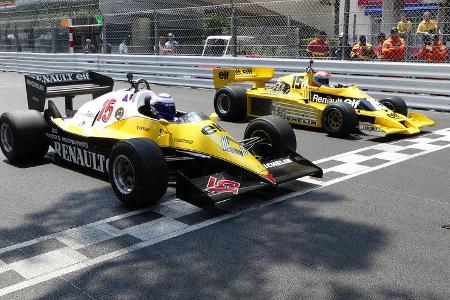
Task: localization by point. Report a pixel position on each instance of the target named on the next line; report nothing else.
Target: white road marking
(166, 228)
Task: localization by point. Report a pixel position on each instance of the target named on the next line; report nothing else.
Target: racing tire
(396, 104)
(22, 136)
(138, 172)
(339, 119)
(277, 134)
(230, 103)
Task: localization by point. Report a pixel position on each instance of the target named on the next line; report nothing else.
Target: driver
(162, 106)
(321, 78)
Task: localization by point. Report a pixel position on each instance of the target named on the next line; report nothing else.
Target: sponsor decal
(222, 186)
(81, 157)
(35, 84)
(211, 129)
(55, 78)
(232, 146)
(181, 140)
(393, 115)
(370, 129)
(224, 75)
(244, 71)
(292, 116)
(277, 163)
(326, 99)
(142, 128)
(125, 99)
(119, 113)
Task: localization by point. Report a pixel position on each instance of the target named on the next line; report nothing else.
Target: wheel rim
(334, 119)
(123, 174)
(263, 149)
(389, 106)
(6, 137)
(223, 103)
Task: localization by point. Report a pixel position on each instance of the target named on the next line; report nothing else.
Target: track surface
(372, 230)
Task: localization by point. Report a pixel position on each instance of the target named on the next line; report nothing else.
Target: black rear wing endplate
(67, 85)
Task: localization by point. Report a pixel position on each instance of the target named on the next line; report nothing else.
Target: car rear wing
(67, 85)
(259, 76)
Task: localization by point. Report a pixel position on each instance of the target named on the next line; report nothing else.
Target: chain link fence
(328, 29)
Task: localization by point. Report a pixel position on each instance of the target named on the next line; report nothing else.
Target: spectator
(123, 49)
(161, 45)
(428, 26)
(171, 45)
(88, 47)
(362, 50)
(337, 50)
(319, 47)
(394, 47)
(433, 50)
(404, 26)
(378, 49)
(105, 47)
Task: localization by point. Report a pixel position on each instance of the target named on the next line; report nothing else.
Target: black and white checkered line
(36, 261)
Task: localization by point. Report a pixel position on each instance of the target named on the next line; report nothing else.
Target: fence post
(233, 29)
(346, 25)
(156, 32)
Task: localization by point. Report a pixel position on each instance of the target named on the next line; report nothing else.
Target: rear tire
(277, 133)
(396, 104)
(339, 119)
(22, 136)
(230, 103)
(138, 172)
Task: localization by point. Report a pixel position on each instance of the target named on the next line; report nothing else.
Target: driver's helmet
(321, 78)
(163, 106)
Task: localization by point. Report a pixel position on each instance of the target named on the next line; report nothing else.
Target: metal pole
(346, 26)
(156, 43)
(233, 29)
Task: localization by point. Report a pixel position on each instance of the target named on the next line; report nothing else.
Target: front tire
(277, 135)
(138, 172)
(339, 119)
(230, 103)
(22, 136)
(396, 104)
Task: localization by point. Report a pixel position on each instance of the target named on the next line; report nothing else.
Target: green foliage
(215, 24)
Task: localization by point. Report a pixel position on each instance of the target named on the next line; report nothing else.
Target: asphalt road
(374, 232)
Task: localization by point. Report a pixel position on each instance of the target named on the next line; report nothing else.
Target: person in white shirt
(171, 45)
(123, 49)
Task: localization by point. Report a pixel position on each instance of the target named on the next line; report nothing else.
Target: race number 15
(106, 111)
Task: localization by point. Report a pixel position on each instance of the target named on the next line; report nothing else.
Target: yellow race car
(144, 144)
(308, 99)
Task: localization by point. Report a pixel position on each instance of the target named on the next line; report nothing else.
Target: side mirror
(130, 77)
(214, 117)
(163, 122)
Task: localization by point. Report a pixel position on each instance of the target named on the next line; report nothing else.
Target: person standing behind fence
(433, 50)
(378, 50)
(123, 49)
(404, 27)
(88, 47)
(362, 50)
(394, 47)
(427, 27)
(319, 47)
(161, 45)
(171, 45)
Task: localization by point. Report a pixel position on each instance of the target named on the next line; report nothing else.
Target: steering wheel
(142, 84)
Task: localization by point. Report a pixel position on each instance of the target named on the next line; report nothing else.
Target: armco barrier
(425, 86)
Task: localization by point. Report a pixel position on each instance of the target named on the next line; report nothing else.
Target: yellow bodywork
(180, 136)
(301, 104)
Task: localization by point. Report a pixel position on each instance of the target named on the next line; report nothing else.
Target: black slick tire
(22, 136)
(396, 104)
(230, 103)
(138, 172)
(339, 119)
(278, 136)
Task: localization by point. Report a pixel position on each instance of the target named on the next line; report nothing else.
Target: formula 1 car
(117, 134)
(339, 110)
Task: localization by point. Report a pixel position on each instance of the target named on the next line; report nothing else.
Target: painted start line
(32, 262)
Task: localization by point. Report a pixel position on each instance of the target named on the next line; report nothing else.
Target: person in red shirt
(394, 47)
(433, 50)
(378, 49)
(319, 47)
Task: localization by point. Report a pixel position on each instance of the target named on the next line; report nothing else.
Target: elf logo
(326, 99)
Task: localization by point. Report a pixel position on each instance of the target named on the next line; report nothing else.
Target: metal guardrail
(425, 86)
